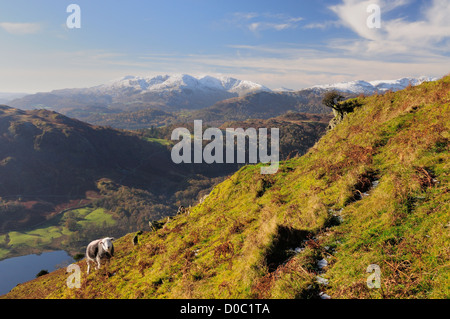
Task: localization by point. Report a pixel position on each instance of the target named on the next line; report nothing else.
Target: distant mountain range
(178, 82)
(5, 97)
(131, 93)
(135, 102)
(369, 88)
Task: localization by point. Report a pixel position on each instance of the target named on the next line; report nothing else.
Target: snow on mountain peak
(210, 86)
(181, 81)
(211, 82)
(375, 86)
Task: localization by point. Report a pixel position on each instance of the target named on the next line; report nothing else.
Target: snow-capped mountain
(187, 92)
(131, 93)
(177, 82)
(372, 87)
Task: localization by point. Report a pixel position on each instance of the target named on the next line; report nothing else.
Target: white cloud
(396, 36)
(20, 28)
(254, 26)
(257, 22)
(322, 25)
(245, 15)
(260, 26)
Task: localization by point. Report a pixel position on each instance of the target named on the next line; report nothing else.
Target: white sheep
(98, 250)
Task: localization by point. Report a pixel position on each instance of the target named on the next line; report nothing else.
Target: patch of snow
(322, 263)
(322, 281)
(337, 214)
(296, 250)
(323, 295)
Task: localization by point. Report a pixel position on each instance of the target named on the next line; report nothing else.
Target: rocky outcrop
(345, 108)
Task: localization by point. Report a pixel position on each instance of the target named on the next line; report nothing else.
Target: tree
(71, 224)
(332, 99)
(340, 107)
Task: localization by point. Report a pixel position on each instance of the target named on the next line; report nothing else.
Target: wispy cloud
(258, 22)
(260, 26)
(21, 28)
(323, 25)
(245, 15)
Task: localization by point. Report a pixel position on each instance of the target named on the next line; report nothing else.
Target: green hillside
(373, 191)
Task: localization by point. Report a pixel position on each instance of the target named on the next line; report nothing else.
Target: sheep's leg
(98, 262)
(88, 266)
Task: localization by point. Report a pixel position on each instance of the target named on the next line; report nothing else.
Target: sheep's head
(107, 244)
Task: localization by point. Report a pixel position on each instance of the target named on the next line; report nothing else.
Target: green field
(56, 229)
(158, 140)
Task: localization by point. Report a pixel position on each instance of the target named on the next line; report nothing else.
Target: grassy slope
(235, 244)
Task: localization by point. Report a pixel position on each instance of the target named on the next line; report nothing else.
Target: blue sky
(293, 44)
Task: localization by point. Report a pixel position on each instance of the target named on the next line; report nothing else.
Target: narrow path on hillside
(338, 218)
(326, 253)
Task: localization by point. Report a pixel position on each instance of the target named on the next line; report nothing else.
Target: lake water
(21, 269)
